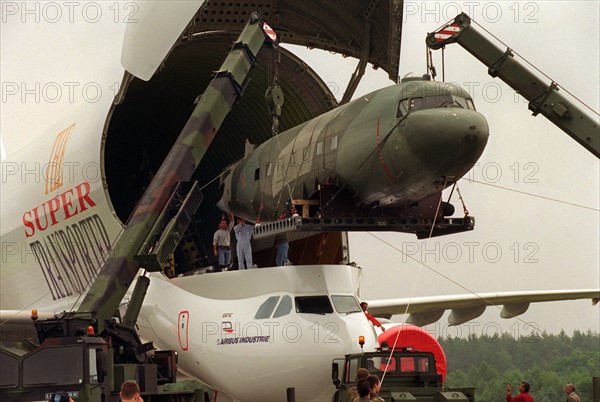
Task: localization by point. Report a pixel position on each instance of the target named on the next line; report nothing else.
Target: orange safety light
(361, 341)
(90, 330)
(34, 315)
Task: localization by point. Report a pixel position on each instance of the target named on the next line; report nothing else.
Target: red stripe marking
(387, 171)
(446, 32)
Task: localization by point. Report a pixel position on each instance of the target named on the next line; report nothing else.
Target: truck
(412, 369)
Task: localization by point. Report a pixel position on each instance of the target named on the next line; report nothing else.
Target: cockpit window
(433, 102)
(265, 309)
(403, 108)
(313, 305)
(345, 304)
(284, 308)
(459, 102)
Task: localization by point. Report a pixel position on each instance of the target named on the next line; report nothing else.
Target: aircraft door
(182, 325)
(330, 154)
(306, 147)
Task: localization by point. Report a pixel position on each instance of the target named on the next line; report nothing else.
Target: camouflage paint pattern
(369, 147)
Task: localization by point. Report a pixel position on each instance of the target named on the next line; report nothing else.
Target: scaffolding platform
(421, 227)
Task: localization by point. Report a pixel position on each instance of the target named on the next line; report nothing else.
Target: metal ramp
(170, 227)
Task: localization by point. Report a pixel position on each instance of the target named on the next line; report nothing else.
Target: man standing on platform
(243, 234)
(222, 243)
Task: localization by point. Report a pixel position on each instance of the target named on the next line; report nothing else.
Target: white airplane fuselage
(255, 333)
(57, 220)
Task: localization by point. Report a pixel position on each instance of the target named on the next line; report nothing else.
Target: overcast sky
(546, 240)
(543, 241)
(534, 193)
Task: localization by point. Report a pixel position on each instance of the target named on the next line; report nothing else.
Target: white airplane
(250, 334)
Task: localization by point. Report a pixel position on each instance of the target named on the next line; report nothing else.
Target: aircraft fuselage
(392, 147)
(255, 333)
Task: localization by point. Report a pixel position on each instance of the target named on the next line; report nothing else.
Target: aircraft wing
(423, 310)
(21, 317)
(426, 310)
(44, 311)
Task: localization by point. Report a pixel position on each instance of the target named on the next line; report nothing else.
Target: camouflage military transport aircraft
(389, 153)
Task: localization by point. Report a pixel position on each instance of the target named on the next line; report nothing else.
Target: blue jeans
(282, 254)
(224, 255)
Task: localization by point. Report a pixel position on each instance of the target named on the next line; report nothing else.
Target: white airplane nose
(357, 326)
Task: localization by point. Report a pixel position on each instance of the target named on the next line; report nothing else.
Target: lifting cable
(437, 211)
(534, 195)
(431, 68)
(449, 279)
(405, 314)
(443, 64)
(274, 124)
(421, 264)
(465, 210)
(274, 99)
(429, 61)
(417, 276)
(377, 146)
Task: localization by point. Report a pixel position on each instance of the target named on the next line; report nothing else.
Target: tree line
(546, 361)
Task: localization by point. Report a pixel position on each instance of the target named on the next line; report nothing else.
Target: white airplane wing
(465, 307)
(44, 311)
(422, 310)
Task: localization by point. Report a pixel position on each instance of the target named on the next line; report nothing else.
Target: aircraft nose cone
(447, 141)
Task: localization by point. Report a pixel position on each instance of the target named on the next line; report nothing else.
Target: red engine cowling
(409, 336)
